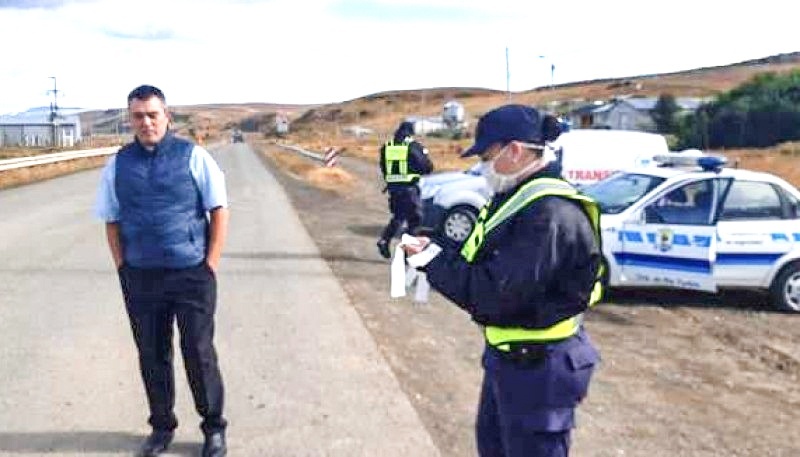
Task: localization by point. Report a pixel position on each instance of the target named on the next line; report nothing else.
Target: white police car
(691, 223)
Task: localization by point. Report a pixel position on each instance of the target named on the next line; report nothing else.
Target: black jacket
(535, 269)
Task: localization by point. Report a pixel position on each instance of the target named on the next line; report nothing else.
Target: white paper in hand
(397, 274)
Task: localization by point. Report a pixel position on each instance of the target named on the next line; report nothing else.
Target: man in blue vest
(527, 272)
(402, 160)
(164, 203)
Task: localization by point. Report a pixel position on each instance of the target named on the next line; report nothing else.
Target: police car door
(758, 225)
(671, 242)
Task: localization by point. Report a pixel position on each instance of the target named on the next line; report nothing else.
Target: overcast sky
(323, 51)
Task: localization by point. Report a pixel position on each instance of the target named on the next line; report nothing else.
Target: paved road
(303, 376)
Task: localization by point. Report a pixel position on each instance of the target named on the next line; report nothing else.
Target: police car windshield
(619, 191)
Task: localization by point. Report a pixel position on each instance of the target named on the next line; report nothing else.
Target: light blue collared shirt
(206, 173)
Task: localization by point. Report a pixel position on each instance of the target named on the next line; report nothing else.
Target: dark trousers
(499, 435)
(156, 298)
(406, 208)
(527, 406)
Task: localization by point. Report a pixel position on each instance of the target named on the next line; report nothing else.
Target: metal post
(508, 77)
(54, 112)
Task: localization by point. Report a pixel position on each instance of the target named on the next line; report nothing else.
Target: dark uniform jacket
(535, 269)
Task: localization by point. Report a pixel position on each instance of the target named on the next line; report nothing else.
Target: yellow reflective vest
(502, 337)
(395, 159)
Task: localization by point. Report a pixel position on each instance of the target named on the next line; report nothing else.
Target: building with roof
(38, 127)
(628, 113)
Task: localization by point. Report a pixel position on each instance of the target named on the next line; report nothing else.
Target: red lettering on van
(587, 175)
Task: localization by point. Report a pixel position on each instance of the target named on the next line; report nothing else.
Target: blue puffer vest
(162, 221)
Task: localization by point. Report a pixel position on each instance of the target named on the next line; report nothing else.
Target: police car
(691, 223)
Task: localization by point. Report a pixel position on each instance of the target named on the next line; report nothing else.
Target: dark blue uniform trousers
(155, 298)
(527, 407)
(406, 208)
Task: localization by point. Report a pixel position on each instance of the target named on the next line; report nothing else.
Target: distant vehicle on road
(237, 137)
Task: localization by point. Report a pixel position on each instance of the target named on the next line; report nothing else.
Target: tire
(785, 289)
(458, 223)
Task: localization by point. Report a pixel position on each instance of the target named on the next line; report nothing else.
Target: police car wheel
(785, 290)
(458, 223)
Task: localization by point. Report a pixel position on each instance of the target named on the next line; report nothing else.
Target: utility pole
(508, 77)
(54, 112)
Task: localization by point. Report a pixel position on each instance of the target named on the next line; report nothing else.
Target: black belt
(525, 353)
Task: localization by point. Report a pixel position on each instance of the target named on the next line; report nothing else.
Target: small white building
(281, 123)
(453, 113)
(33, 128)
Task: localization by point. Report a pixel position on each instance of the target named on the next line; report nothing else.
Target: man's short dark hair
(144, 92)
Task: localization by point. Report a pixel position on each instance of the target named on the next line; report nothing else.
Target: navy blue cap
(504, 124)
(405, 129)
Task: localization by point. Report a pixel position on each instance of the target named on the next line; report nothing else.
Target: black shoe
(383, 248)
(156, 443)
(214, 445)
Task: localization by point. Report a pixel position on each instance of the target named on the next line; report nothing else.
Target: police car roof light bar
(705, 162)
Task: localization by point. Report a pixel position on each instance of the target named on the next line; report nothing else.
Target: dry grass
(782, 160)
(300, 167)
(20, 176)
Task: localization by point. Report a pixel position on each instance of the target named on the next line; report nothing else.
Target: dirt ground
(682, 374)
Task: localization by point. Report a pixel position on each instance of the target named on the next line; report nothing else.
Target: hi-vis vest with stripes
(502, 337)
(395, 158)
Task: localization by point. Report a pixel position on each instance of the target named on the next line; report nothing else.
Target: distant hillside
(381, 111)
(777, 62)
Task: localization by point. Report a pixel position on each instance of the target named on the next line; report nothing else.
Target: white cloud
(209, 51)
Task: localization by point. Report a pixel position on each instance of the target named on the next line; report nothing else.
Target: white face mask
(500, 182)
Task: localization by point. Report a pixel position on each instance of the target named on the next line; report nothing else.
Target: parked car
(693, 224)
(451, 201)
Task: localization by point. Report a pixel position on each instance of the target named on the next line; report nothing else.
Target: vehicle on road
(237, 137)
(452, 200)
(691, 223)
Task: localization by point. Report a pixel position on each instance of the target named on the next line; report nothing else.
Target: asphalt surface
(303, 376)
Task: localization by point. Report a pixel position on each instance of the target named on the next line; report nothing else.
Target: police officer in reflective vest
(526, 274)
(403, 160)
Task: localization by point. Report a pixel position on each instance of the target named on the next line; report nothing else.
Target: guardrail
(299, 150)
(22, 162)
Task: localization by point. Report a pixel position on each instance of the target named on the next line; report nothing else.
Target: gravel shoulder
(683, 374)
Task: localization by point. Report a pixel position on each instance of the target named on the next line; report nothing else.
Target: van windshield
(619, 191)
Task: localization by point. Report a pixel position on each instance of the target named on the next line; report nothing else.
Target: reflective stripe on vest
(396, 163)
(502, 337)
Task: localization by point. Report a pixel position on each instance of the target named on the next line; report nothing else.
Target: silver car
(451, 201)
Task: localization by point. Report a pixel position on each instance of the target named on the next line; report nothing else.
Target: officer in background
(403, 160)
(527, 272)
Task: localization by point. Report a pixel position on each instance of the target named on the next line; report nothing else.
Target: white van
(589, 155)
(451, 201)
